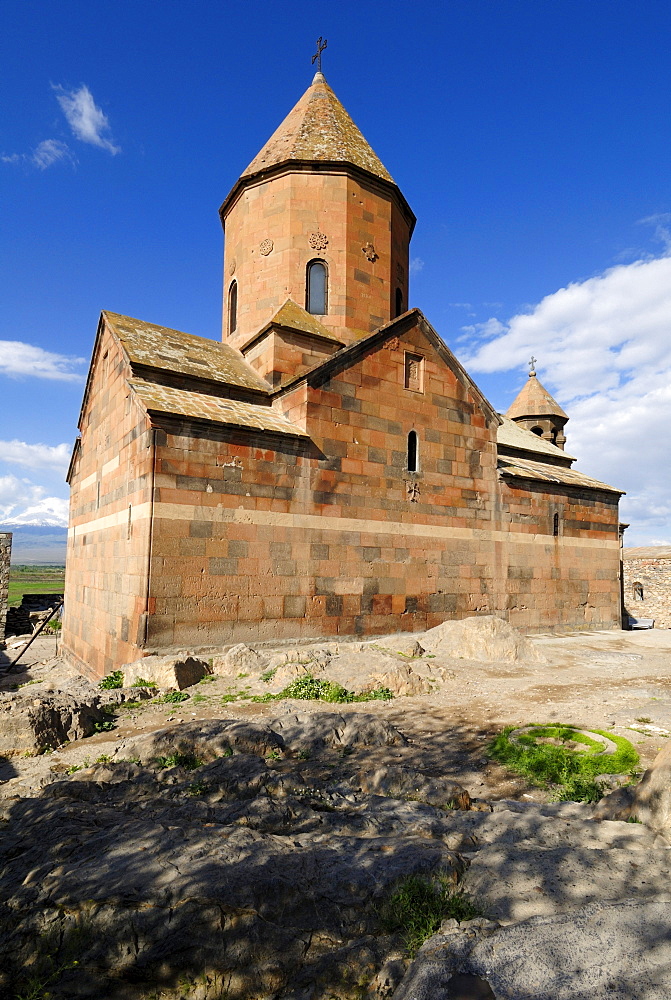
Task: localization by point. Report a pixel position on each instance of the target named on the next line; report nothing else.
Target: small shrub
(174, 697)
(189, 761)
(268, 675)
(418, 905)
(111, 681)
(104, 727)
(633, 819)
(104, 758)
(142, 683)
(273, 755)
(242, 676)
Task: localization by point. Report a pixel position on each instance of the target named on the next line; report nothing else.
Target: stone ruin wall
(5, 553)
(654, 575)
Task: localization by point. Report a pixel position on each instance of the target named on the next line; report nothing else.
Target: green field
(34, 580)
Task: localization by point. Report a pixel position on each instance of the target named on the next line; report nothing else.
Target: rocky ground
(223, 847)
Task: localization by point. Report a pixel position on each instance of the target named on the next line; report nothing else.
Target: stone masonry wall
(257, 539)
(108, 539)
(5, 555)
(653, 573)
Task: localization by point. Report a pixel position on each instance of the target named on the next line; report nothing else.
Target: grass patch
(34, 580)
(572, 772)
(179, 759)
(207, 679)
(268, 675)
(197, 699)
(418, 905)
(309, 688)
(112, 681)
(142, 683)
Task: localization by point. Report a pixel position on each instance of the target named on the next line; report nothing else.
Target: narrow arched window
(413, 452)
(555, 525)
(233, 307)
(638, 591)
(316, 288)
(399, 302)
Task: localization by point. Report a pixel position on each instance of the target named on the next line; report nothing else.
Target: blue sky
(531, 138)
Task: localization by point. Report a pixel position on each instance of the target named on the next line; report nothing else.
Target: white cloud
(50, 151)
(17, 359)
(604, 350)
(23, 502)
(87, 121)
(416, 265)
(35, 456)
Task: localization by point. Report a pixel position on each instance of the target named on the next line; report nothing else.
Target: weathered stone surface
(602, 951)
(407, 783)
(206, 740)
(238, 659)
(652, 796)
(238, 869)
(167, 672)
(517, 881)
(307, 730)
(33, 723)
(482, 638)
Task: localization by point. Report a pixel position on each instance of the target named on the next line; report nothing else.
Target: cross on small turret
(317, 57)
(532, 365)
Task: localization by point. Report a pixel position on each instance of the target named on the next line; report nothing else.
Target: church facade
(328, 467)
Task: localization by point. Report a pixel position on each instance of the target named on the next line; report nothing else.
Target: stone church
(328, 467)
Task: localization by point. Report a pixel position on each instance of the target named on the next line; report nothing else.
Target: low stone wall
(5, 553)
(647, 583)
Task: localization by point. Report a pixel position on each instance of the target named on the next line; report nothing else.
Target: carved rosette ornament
(231, 267)
(368, 250)
(318, 241)
(266, 247)
(391, 344)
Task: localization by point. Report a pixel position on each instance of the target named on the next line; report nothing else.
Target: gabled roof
(293, 317)
(163, 349)
(520, 468)
(513, 436)
(318, 128)
(169, 401)
(350, 354)
(533, 400)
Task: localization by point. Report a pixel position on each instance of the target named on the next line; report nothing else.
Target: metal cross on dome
(532, 365)
(317, 57)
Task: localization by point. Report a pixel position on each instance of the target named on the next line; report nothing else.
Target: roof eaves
(316, 166)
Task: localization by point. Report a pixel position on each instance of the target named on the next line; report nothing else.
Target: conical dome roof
(318, 128)
(533, 400)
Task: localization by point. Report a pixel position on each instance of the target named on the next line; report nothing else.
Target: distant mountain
(42, 543)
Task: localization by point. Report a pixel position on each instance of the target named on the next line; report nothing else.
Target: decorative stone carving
(368, 250)
(318, 241)
(232, 266)
(266, 247)
(412, 490)
(392, 344)
(414, 372)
